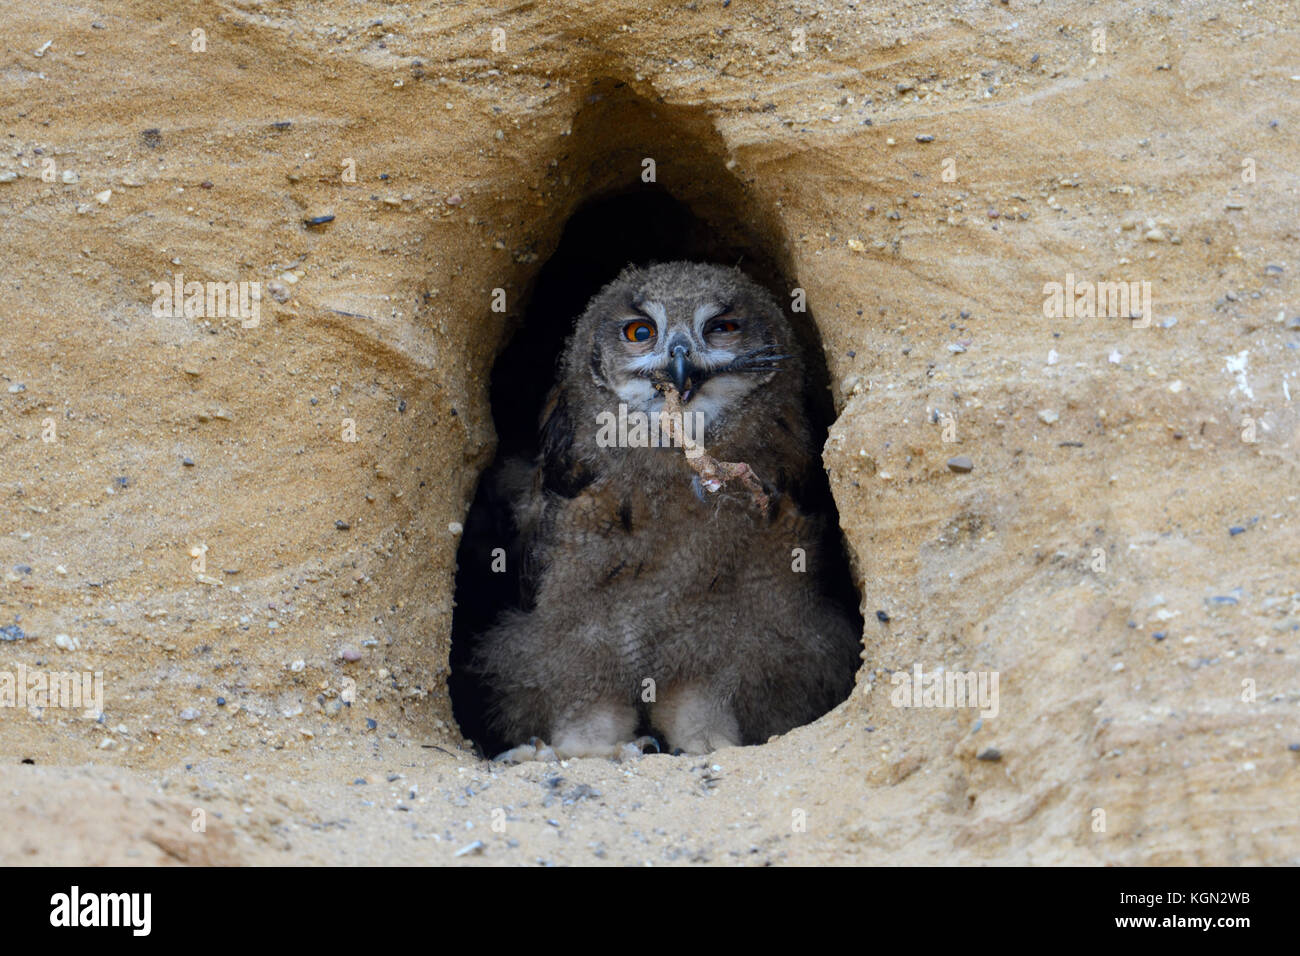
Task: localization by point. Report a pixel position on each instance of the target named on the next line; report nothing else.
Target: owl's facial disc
(686, 352)
(713, 352)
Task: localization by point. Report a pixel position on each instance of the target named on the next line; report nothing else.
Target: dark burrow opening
(642, 225)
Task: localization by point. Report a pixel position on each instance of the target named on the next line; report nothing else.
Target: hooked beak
(679, 368)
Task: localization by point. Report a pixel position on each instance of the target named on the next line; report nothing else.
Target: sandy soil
(922, 170)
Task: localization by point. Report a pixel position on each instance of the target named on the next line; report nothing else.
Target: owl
(664, 604)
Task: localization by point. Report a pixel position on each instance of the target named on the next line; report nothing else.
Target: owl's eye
(722, 325)
(639, 330)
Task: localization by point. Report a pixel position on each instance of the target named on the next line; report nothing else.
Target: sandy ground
(1123, 554)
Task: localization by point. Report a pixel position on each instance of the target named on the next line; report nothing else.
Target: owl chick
(659, 601)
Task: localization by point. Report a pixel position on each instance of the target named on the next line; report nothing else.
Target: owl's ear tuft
(561, 472)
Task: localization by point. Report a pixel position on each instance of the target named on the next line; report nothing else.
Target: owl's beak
(680, 369)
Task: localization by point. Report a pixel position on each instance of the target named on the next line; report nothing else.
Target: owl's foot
(535, 749)
(599, 729)
(539, 750)
(631, 750)
(693, 720)
(639, 747)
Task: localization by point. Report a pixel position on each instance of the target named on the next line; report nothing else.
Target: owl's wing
(527, 486)
(561, 471)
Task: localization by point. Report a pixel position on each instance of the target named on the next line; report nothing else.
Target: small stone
(476, 848)
(371, 723)
(453, 200)
(7, 175)
(961, 464)
(455, 527)
(350, 654)
(189, 713)
(1155, 235)
(298, 666)
(70, 176)
(187, 462)
(279, 292)
(1048, 417)
(882, 617)
(857, 245)
(221, 702)
(1235, 530)
(342, 525)
(925, 138)
(991, 754)
(319, 220)
(65, 643)
(104, 197)
(12, 632)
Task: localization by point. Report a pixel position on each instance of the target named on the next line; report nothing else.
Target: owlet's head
(709, 331)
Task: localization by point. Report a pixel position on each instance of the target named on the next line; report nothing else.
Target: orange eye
(639, 331)
(724, 325)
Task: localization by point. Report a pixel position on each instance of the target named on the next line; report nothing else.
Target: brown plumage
(656, 602)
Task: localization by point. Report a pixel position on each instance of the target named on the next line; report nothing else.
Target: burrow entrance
(696, 210)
